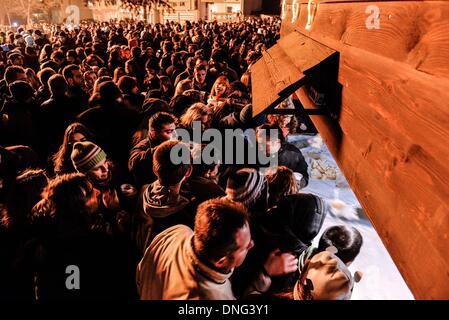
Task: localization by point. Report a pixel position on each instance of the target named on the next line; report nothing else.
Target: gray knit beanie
(245, 186)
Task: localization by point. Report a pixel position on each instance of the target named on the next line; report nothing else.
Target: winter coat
(171, 270)
(104, 266)
(182, 76)
(134, 101)
(79, 98)
(21, 126)
(291, 226)
(16, 273)
(200, 189)
(140, 162)
(55, 115)
(158, 209)
(291, 157)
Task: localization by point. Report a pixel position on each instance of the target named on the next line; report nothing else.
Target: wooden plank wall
(395, 125)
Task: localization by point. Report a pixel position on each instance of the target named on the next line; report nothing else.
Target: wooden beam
(282, 69)
(391, 136)
(414, 32)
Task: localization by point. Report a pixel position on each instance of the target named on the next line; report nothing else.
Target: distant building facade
(228, 9)
(183, 10)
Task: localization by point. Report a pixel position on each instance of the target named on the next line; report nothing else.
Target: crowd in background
(88, 121)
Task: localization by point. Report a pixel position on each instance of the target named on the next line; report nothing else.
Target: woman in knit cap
(76, 132)
(90, 160)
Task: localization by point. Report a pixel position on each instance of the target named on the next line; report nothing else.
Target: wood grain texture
(392, 137)
(281, 69)
(414, 32)
(270, 76)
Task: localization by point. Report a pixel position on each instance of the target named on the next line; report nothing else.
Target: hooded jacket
(161, 208)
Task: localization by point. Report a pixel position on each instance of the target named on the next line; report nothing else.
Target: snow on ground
(381, 278)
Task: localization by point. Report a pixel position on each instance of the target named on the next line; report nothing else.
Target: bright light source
(15, 24)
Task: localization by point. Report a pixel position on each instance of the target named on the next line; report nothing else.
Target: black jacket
(79, 98)
(200, 189)
(55, 115)
(140, 162)
(20, 127)
(291, 157)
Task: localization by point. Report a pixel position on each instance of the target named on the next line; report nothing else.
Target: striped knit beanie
(86, 155)
(245, 186)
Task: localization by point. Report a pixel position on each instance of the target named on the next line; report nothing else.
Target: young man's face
(18, 61)
(22, 77)
(244, 244)
(70, 59)
(58, 61)
(77, 78)
(166, 133)
(90, 79)
(100, 172)
(200, 76)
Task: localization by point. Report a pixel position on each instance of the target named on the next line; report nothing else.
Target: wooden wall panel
(392, 138)
(415, 32)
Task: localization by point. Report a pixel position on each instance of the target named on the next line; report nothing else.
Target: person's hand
(279, 264)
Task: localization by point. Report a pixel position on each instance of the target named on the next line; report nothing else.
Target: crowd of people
(88, 121)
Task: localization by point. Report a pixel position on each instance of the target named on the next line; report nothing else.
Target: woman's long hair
(194, 113)
(45, 53)
(281, 183)
(61, 159)
(213, 92)
(24, 194)
(64, 201)
(117, 74)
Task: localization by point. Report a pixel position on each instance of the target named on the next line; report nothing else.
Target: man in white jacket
(185, 264)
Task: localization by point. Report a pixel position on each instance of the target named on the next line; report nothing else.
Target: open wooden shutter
(283, 69)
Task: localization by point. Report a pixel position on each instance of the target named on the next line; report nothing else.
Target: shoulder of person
(290, 147)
